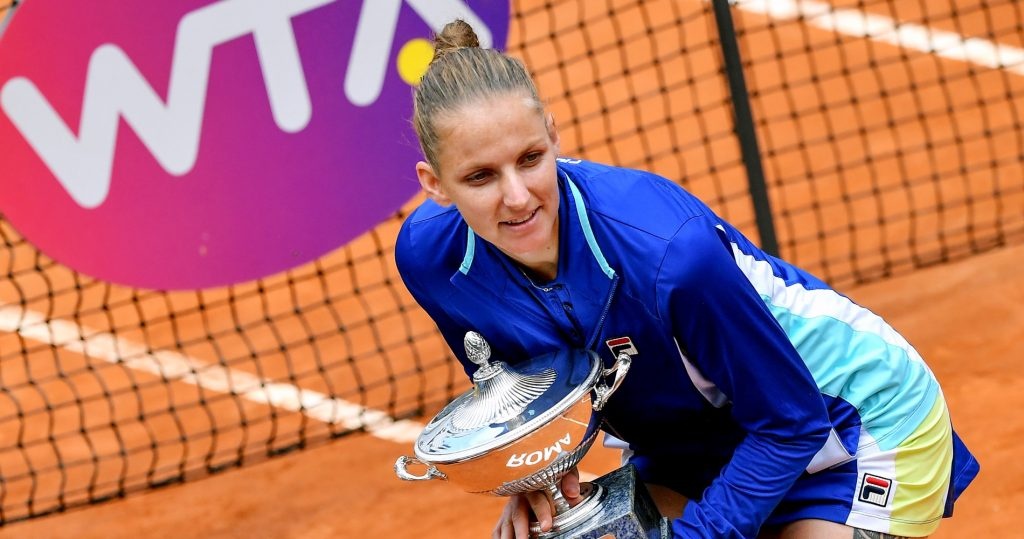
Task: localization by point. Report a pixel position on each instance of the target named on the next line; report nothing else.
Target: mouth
(523, 221)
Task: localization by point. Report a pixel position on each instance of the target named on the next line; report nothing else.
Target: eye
(478, 176)
(532, 158)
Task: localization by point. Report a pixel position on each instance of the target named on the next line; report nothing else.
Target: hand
(515, 518)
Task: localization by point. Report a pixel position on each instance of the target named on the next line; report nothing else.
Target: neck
(540, 273)
(540, 266)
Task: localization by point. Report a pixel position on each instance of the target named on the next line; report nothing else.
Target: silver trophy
(518, 431)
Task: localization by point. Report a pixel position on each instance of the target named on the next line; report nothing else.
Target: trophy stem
(561, 504)
(567, 517)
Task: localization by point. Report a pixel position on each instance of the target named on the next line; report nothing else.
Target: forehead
(488, 115)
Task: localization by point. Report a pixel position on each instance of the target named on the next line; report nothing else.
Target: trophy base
(618, 508)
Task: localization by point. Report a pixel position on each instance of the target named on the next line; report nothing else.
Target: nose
(514, 192)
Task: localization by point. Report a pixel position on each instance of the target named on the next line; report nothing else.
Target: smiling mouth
(521, 221)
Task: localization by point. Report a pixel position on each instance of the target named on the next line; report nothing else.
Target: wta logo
(208, 143)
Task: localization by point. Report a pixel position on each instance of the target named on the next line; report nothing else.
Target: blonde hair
(462, 72)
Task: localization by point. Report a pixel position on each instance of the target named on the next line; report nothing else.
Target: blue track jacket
(748, 371)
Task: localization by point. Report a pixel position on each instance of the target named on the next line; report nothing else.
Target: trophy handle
(402, 473)
(620, 369)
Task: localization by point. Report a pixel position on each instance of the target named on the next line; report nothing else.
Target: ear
(431, 184)
(549, 123)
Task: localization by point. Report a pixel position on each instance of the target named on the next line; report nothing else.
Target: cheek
(477, 204)
(545, 182)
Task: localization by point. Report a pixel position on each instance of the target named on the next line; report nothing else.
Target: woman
(774, 404)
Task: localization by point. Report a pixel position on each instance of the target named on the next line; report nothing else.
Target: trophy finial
(477, 349)
(501, 394)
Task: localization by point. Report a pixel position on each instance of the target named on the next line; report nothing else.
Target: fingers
(542, 509)
(515, 520)
(503, 528)
(521, 523)
(571, 485)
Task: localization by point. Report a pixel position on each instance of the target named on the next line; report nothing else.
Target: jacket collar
(487, 276)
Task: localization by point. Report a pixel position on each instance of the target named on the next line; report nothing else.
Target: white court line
(174, 366)
(903, 34)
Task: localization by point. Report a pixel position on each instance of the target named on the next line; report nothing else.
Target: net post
(744, 125)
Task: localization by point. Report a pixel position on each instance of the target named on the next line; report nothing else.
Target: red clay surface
(965, 319)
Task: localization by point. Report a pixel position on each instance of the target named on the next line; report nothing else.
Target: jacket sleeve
(727, 331)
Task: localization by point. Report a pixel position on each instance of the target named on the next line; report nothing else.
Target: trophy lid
(506, 403)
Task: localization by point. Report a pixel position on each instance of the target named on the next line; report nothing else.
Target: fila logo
(620, 345)
(875, 490)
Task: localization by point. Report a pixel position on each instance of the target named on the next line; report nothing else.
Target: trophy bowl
(519, 429)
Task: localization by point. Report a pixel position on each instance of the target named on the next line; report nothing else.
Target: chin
(517, 250)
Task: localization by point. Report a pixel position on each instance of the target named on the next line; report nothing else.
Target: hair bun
(455, 35)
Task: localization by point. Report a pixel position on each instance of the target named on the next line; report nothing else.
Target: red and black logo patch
(619, 345)
(875, 490)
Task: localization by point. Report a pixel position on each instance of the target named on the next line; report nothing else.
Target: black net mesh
(891, 139)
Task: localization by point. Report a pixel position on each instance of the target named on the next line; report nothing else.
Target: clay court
(971, 334)
(901, 184)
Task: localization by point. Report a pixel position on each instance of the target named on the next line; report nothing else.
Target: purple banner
(190, 144)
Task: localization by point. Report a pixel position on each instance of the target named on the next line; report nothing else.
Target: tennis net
(889, 135)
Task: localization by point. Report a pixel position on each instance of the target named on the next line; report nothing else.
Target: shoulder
(431, 241)
(637, 199)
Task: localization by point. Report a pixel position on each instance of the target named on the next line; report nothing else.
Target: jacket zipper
(604, 314)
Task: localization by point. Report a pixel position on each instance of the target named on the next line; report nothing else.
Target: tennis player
(760, 402)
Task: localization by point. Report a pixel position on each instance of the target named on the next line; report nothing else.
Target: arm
(728, 332)
(416, 263)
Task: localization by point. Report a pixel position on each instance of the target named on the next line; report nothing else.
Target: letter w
(114, 87)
